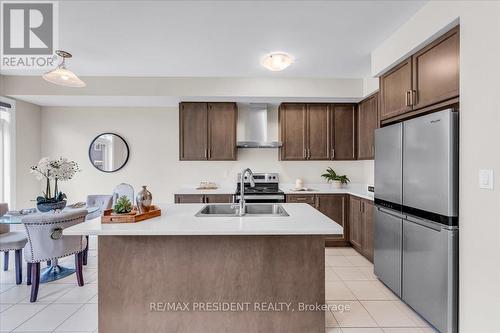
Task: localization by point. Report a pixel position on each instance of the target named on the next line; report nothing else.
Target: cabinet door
(367, 123)
(356, 223)
(218, 198)
(292, 120)
(335, 207)
(318, 132)
(193, 131)
(299, 198)
(189, 198)
(368, 229)
(344, 132)
(395, 87)
(436, 71)
(222, 118)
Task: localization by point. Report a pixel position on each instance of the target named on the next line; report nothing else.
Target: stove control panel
(262, 178)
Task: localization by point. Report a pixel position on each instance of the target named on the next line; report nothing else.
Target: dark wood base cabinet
(361, 226)
(335, 206)
(203, 198)
(354, 214)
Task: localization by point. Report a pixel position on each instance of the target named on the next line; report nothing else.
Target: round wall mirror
(108, 152)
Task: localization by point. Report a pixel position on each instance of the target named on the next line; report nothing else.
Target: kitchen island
(184, 273)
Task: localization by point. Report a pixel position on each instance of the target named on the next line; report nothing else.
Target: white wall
(28, 146)
(153, 137)
(370, 85)
(479, 144)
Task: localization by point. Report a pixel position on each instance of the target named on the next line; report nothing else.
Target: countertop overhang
(180, 220)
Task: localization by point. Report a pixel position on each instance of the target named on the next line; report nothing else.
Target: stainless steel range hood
(252, 127)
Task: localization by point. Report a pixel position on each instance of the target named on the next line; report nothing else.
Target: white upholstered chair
(103, 201)
(12, 241)
(46, 242)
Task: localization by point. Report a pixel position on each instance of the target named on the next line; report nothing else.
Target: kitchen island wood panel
(139, 274)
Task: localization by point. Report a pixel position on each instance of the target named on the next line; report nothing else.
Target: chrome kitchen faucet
(242, 208)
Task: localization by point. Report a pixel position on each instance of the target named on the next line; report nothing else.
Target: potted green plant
(53, 170)
(336, 180)
(123, 206)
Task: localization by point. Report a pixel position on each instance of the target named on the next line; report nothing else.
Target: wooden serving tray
(108, 216)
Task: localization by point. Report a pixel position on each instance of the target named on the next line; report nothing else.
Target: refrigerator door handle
(424, 223)
(392, 213)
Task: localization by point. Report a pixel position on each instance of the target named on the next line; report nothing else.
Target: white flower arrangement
(58, 170)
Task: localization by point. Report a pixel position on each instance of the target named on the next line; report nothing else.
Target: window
(6, 153)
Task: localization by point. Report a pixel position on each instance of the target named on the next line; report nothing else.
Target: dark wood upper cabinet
(344, 131)
(430, 77)
(207, 131)
(193, 127)
(293, 130)
(367, 123)
(395, 88)
(318, 132)
(436, 71)
(355, 222)
(222, 118)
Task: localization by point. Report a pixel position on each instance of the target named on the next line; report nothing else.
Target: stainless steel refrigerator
(416, 215)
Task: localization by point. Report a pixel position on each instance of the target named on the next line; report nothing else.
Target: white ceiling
(329, 39)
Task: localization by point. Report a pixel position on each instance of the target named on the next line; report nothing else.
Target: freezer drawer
(388, 165)
(387, 248)
(430, 273)
(430, 166)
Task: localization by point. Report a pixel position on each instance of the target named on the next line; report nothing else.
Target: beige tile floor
(63, 307)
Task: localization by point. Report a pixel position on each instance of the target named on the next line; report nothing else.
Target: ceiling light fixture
(277, 61)
(63, 76)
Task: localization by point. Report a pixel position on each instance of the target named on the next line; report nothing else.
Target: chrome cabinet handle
(408, 97)
(413, 97)
(305, 153)
(209, 153)
(333, 153)
(206, 153)
(309, 153)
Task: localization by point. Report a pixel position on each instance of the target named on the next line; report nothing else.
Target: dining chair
(47, 242)
(123, 189)
(103, 201)
(12, 241)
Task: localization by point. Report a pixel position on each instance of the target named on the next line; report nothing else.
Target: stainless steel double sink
(230, 210)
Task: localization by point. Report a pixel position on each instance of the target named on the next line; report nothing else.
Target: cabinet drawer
(218, 198)
(298, 198)
(189, 198)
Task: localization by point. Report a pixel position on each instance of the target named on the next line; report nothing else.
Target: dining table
(54, 270)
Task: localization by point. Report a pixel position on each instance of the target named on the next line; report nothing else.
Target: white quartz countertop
(180, 219)
(193, 190)
(358, 190)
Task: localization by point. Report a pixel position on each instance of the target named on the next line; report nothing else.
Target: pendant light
(63, 76)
